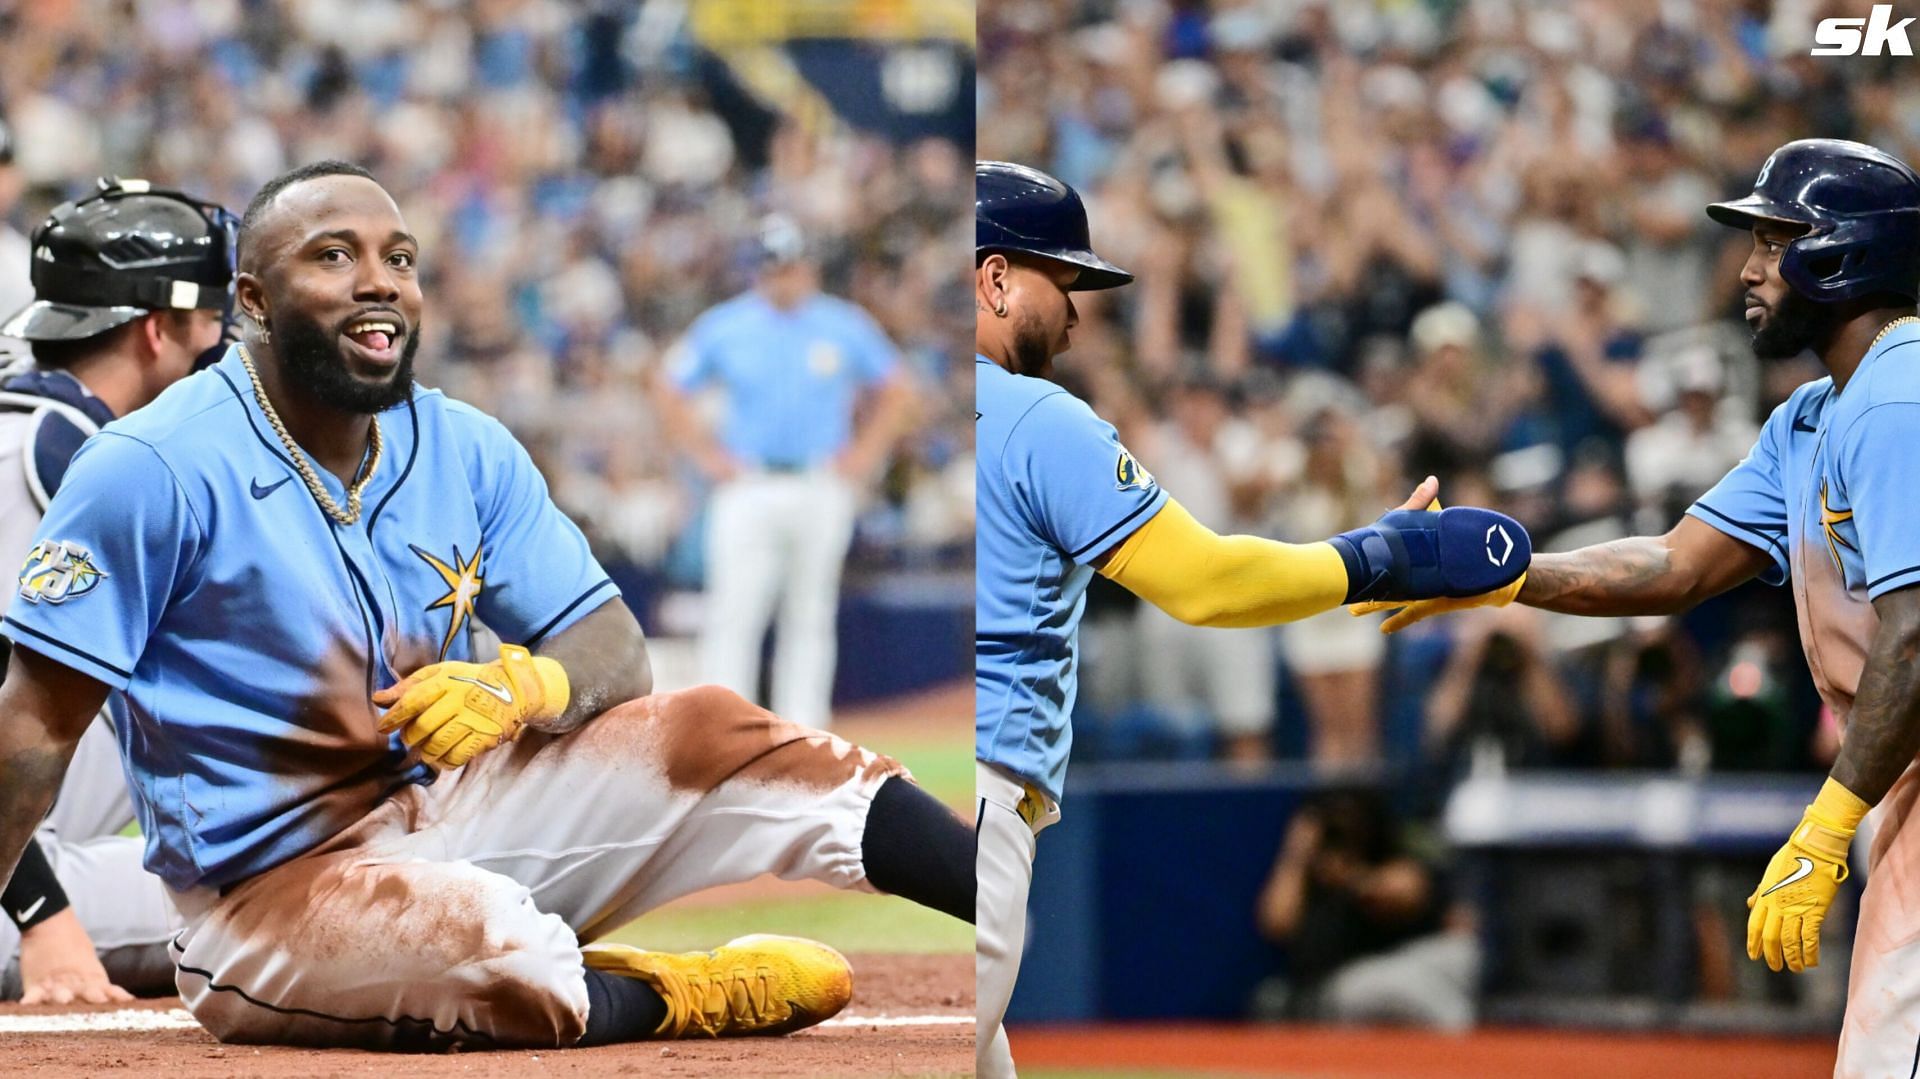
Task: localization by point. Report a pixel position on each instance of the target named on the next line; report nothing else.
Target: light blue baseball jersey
(185, 564)
(1830, 493)
(791, 376)
(1056, 490)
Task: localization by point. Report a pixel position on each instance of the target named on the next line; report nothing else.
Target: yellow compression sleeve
(1205, 579)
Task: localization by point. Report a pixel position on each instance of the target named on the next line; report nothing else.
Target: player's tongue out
(374, 337)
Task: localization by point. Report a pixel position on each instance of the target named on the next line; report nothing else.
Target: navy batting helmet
(1023, 210)
(1858, 207)
(125, 250)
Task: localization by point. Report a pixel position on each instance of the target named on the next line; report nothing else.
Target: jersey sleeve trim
(88, 664)
(1749, 528)
(541, 634)
(1159, 499)
(1874, 589)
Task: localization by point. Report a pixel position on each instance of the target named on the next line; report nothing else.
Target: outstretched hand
(1407, 613)
(1424, 497)
(59, 966)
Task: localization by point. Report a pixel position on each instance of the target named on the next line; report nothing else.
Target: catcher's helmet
(1859, 207)
(1024, 210)
(125, 250)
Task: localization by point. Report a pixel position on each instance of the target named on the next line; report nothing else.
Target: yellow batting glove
(1419, 609)
(1791, 900)
(453, 712)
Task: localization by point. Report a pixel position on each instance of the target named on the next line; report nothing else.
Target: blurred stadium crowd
(585, 179)
(1380, 240)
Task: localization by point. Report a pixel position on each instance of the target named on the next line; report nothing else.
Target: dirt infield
(1351, 1053)
(915, 1015)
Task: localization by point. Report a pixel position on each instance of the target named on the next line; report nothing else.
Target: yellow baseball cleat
(755, 985)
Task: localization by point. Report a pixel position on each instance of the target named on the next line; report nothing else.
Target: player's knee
(680, 708)
(709, 707)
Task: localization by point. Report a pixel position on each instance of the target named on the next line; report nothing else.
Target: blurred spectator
(16, 284)
(1370, 932)
(1586, 354)
(1335, 655)
(1211, 685)
(1500, 701)
(1461, 401)
(1649, 700)
(1686, 451)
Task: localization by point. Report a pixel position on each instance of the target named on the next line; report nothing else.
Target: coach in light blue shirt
(788, 461)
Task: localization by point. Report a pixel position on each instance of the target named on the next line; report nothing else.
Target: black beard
(1795, 325)
(310, 355)
(1032, 348)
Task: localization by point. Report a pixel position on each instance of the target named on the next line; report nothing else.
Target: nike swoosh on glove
(1423, 554)
(1790, 903)
(452, 712)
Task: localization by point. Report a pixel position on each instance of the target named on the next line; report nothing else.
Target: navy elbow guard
(1422, 554)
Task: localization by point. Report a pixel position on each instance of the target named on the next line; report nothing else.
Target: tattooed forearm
(28, 779)
(44, 707)
(1628, 576)
(1883, 731)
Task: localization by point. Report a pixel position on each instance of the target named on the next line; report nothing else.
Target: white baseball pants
(777, 542)
(1010, 818)
(453, 913)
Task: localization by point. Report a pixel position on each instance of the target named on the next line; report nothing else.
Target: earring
(1001, 310)
(266, 335)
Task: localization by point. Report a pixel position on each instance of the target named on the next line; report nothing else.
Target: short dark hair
(262, 199)
(62, 354)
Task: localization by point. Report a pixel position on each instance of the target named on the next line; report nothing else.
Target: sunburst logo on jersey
(1829, 518)
(463, 589)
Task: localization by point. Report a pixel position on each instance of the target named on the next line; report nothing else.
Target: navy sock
(620, 1009)
(917, 848)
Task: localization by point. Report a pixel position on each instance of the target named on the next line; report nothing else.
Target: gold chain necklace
(1888, 328)
(351, 514)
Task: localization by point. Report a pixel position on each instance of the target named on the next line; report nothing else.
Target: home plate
(178, 1019)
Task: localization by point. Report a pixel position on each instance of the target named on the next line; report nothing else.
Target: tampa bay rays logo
(1128, 473)
(1829, 518)
(463, 582)
(56, 571)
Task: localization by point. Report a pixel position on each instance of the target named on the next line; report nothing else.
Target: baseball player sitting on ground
(280, 547)
(1825, 502)
(109, 330)
(1060, 498)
